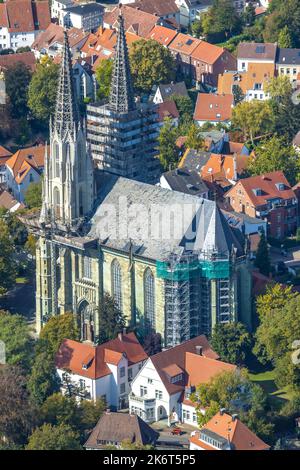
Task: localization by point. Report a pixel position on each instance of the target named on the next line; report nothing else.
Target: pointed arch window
(56, 159)
(149, 297)
(116, 283)
(56, 203)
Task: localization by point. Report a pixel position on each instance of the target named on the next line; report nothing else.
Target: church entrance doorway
(86, 322)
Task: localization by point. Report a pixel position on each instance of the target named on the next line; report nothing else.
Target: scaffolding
(187, 294)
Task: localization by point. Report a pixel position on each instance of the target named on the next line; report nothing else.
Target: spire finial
(121, 95)
(66, 113)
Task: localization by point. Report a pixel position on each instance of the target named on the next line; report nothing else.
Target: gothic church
(89, 242)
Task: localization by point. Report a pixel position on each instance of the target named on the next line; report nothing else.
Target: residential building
(269, 197)
(23, 168)
(185, 181)
(135, 21)
(208, 61)
(213, 108)
(246, 224)
(168, 110)
(252, 83)
(4, 156)
(105, 371)
(191, 10)
(226, 432)
(50, 42)
(253, 52)
(114, 428)
(231, 167)
(162, 34)
(132, 149)
(166, 10)
(21, 21)
(85, 80)
(164, 93)
(167, 380)
(288, 63)
(87, 16)
(57, 7)
(8, 202)
(182, 48)
(177, 280)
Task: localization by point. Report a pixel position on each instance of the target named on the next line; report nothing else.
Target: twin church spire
(66, 110)
(121, 98)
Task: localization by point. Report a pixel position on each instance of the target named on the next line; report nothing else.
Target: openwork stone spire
(121, 95)
(66, 112)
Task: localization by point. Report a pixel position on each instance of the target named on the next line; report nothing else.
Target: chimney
(234, 417)
(222, 411)
(199, 350)
(120, 335)
(107, 411)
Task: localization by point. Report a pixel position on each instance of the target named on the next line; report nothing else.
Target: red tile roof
(201, 369)
(34, 156)
(162, 35)
(238, 434)
(4, 154)
(10, 60)
(73, 354)
(55, 34)
(176, 358)
(184, 44)
(25, 15)
(168, 109)
(215, 108)
(267, 184)
(206, 52)
(225, 165)
(136, 21)
(8, 201)
(157, 7)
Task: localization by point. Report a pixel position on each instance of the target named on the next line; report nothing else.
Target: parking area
(167, 439)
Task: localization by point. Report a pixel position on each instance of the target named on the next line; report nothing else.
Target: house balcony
(143, 402)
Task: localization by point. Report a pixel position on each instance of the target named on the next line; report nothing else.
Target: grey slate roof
(172, 89)
(118, 427)
(196, 224)
(288, 56)
(86, 8)
(186, 181)
(258, 51)
(195, 160)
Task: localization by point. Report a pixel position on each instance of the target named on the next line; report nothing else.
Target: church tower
(123, 132)
(68, 190)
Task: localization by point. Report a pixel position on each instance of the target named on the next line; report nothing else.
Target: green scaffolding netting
(186, 271)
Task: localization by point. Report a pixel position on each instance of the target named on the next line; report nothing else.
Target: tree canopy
(112, 320)
(275, 154)
(103, 77)
(151, 63)
(253, 118)
(262, 258)
(15, 334)
(48, 437)
(42, 90)
(168, 150)
(232, 342)
(17, 79)
(7, 263)
(58, 328)
(33, 195)
(279, 326)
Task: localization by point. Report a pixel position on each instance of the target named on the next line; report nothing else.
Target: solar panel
(260, 49)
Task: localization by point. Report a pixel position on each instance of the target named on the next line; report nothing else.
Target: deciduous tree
(17, 79)
(232, 342)
(48, 437)
(168, 150)
(42, 90)
(104, 76)
(33, 195)
(112, 320)
(151, 64)
(7, 263)
(254, 118)
(262, 258)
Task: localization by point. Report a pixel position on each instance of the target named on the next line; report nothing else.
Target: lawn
(266, 381)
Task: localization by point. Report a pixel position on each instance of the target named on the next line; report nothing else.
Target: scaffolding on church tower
(178, 272)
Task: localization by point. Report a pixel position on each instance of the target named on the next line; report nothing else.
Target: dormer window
(280, 186)
(257, 191)
(176, 378)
